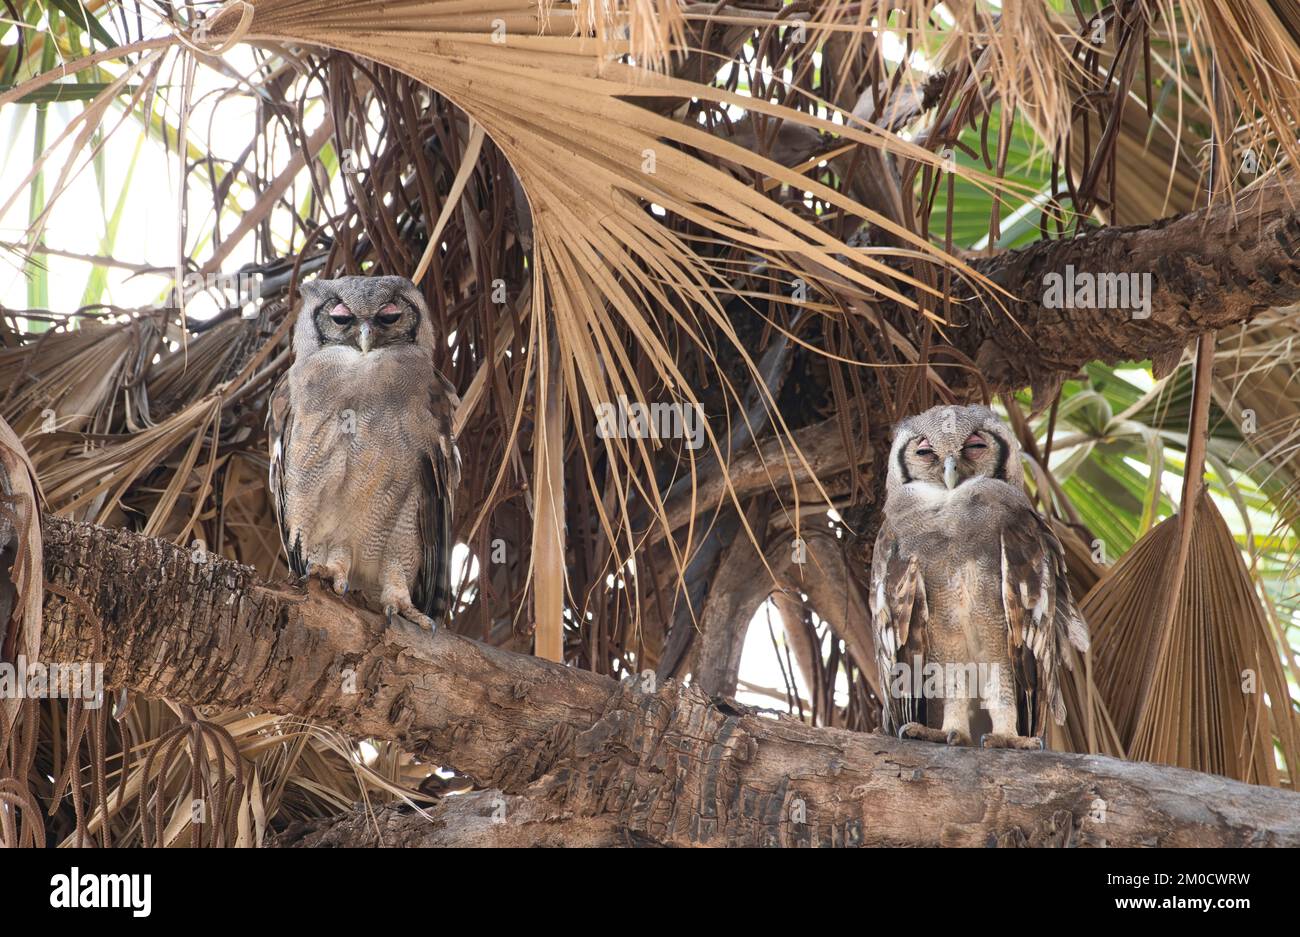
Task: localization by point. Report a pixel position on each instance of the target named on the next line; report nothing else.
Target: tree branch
(770, 466)
(669, 766)
(1209, 269)
(477, 819)
(738, 589)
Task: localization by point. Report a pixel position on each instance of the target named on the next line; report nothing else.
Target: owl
(364, 467)
(970, 606)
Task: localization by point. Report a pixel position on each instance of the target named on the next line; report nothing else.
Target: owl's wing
(279, 420)
(900, 618)
(1040, 614)
(440, 465)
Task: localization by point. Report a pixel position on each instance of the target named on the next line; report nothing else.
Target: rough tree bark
(661, 765)
(477, 819)
(1209, 269)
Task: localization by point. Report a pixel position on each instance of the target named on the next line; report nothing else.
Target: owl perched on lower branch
(364, 467)
(969, 601)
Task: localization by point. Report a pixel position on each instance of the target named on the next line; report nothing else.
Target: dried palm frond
(1207, 690)
(22, 570)
(22, 595)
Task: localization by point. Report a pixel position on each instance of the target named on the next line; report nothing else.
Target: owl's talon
(1030, 743)
(957, 737)
(914, 730)
(420, 620)
(333, 574)
(411, 616)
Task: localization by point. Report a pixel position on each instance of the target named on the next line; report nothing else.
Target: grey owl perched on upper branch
(969, 600)
(364, 466)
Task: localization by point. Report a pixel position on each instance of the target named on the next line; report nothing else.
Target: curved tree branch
(665, 763)
(1208, 269)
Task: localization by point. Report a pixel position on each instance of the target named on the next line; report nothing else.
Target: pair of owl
(968, 581)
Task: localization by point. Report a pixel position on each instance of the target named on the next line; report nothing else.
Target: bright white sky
(148, 230)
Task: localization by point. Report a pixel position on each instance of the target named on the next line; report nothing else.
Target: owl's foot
(409, 613)
(914, 730)
(1031, 743)
(336, 574)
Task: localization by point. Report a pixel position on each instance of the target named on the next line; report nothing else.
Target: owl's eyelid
(334, 303)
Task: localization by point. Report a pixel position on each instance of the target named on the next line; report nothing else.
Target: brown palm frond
(1207, 691)
(22, 595)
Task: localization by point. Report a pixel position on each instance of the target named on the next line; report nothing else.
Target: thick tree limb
(1209, 269)
(670, 766)
(477, 819)
(739, 587)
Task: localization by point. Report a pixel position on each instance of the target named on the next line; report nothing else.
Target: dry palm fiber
(1185, 653)
(21, 596)
(1214, 669)
(1089, 728)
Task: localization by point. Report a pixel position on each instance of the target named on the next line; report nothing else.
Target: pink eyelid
(341, 310)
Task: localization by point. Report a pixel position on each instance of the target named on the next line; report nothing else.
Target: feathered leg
(1005, 734)
(955, 731)
(333, 568)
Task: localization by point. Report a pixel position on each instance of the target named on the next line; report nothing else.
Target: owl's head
(946, 446)
(372, 315)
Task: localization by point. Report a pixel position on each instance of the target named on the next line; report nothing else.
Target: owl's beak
(950, 472)
(363, 337)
